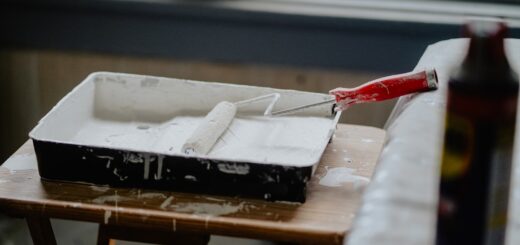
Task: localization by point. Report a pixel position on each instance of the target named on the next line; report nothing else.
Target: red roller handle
(386, 88)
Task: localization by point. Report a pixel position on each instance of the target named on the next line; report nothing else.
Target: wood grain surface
(325, 218)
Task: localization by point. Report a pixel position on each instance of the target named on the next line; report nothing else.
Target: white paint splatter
(190, 177)
(75, 205)
(146, 166)
(116, 173)
(206, 221)
(166, 202)
(159, 167)
(288, 203)
(21, 162)
(346, 159)
(150, 195)
(99, 188)
(214, 199)
(109, 159)
(336, 177)
(233, 168)
(212, 209)
(108, 213)
(112, 198)
(367, 140)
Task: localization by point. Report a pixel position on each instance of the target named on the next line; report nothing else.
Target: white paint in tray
(155, 116)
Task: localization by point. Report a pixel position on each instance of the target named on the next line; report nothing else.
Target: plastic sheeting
(399, 206)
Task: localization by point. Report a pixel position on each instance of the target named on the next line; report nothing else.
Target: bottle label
(458, 146)
(475, 170)
(498, 196)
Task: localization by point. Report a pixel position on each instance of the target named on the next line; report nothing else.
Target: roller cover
(210, 129)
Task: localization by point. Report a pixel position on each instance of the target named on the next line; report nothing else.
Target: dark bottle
(478, 142)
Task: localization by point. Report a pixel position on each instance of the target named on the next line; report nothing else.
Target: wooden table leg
(41, 230)
(104, 237)
(108, 232)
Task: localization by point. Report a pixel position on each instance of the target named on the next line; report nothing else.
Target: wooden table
(166, 217)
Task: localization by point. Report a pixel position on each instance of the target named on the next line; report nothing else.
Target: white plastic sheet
(399, 206)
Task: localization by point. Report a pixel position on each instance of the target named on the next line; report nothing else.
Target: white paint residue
(146, 166)
(233, 168)
(110, 112)
(214, 199)
(211, 209)
(109, 159)
(112, 198)
(190, 177)
(116, 173)
(384, 86)
(3, 181)
(150, 195)
(346, 159)
(159, 167)
(21, 162)
(292, 141)
(166, 202)
(288, 203)
(206, 221)
(133, 158)
(99, 188)
(367, 140)
(336, 177)
(108, 213)
(105, 157)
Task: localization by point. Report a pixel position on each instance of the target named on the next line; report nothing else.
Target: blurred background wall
(49, 46)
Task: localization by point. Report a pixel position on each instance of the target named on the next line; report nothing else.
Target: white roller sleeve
(210, 129)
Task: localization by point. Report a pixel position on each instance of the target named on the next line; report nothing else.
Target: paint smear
(212, 209)
(166, 202)
(151, 195)
(108, 213)
(214, 199)
(99, 188)
(289, 203)
(337, 177)
(112, 198)
(21, 162)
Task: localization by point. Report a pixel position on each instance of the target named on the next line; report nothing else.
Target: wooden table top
(326, 216)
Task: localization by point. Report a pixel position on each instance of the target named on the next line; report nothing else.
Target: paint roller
(221, 116)
(217, 121)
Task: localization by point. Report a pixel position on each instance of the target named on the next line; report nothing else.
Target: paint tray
(127, 130)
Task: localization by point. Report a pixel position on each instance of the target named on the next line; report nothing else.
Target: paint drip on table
(340, 176)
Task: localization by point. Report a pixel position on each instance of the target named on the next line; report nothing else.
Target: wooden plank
(325, 218)
(41, 230)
